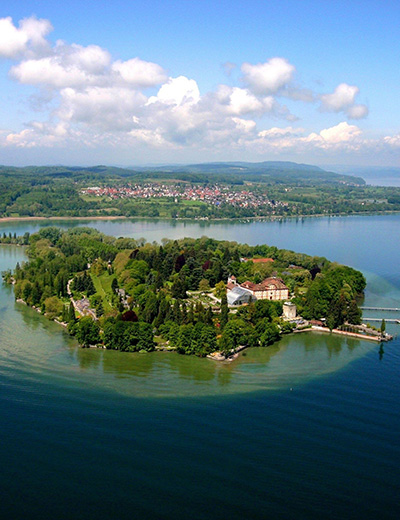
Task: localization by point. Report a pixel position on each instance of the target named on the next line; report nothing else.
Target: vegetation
(127, 293)
(280, 189)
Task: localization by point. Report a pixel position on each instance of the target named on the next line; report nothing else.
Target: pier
(390, 309)
(388, 320)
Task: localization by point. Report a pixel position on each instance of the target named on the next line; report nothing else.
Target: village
(215, 194)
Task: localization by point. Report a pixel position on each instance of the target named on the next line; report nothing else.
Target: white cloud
(245, 125)
(237, 101)
(392, 140)
(343, 100)
(106, 108)
(357, 112)
(12, 40)
(177, 91)
(278, 133)
(66, 66)
(15, 41)
(269, 77)
(77, 66)
(342, 97)
(343, 132)
(92, 59)
(36, 31)
(50, 73)
(339, 138)
(38, 135)
(139, 73)
(94, 101)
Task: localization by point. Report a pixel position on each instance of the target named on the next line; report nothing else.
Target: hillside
(270, 172)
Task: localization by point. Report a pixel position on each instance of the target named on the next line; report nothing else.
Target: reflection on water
(31, 344)
(34, 348)
(42, 350)
(294, 360)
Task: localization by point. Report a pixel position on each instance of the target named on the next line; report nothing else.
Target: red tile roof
(259, 260)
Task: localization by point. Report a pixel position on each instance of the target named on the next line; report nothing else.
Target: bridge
(388, 320)
(390, 309)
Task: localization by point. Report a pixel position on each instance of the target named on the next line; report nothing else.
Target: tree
(149, 306)
(178, 289)
(176, 312)
(383, 326)
(204, 285)
(114, 284)
(270, 335)
(71, 313)
(53, 307)
(220, 289)
(208, 317)
(96, 303)
(224, 315)
(87, 332)
(354, 313)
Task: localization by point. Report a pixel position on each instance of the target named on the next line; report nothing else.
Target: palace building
(272, 288)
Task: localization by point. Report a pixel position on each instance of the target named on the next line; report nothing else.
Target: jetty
(389, 309)
(388, 320)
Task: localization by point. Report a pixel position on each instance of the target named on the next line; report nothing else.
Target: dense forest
(134, 296)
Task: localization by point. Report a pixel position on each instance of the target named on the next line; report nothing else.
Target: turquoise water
(308, 428)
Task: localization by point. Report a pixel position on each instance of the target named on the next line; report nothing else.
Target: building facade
(272, 288)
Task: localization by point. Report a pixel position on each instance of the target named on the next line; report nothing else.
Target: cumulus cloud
(139, 73)
(98, 102)
(340, 133)
(15, 41)
(105, 108)
(279, 133)
(38, 134)
(342, 97)
(48, 72)
(339, 138)
(269, 77)
(177, 91)
(343, 100)
(67, 66)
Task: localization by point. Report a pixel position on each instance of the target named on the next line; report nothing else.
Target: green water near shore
(307, 428)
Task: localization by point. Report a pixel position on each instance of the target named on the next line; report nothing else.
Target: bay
(307, 428)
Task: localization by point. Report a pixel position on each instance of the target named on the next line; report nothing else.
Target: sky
(133, 83)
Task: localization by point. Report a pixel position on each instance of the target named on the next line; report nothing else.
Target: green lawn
(102, 285)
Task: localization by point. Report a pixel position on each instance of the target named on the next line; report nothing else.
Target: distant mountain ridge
(274, 172)
(266, 171)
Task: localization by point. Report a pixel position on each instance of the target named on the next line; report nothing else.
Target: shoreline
(208, 220)
(217, 356)
(22, 219)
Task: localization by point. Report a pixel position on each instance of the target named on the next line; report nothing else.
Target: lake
(307, 428)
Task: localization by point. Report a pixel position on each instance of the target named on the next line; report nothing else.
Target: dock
(388, 320)
(389, 309)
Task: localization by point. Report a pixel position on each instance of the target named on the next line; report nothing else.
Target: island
(197, 296)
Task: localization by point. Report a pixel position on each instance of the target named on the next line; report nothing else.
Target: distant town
(214, 195)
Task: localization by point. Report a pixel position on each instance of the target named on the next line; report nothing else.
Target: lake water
(308, 428)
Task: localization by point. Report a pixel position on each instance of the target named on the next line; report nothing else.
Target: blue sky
(158, 82)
